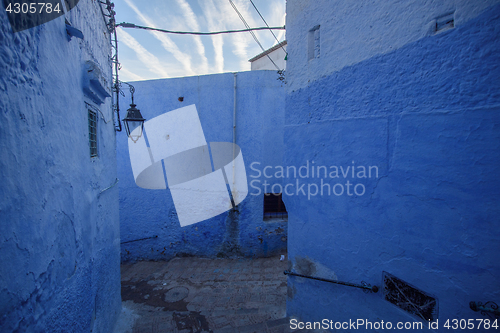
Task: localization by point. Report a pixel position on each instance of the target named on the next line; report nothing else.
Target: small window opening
(274, 207)
(445, 22)
(313, 43)
(93, 133)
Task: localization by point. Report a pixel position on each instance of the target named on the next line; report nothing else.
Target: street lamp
(133, 119)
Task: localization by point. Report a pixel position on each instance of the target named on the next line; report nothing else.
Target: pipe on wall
(234, 126)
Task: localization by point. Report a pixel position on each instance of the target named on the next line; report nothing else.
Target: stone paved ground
(196, 295)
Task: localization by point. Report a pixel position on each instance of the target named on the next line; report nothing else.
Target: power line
(267, 25)
(252, 33)
(245, 23)
(132, 25)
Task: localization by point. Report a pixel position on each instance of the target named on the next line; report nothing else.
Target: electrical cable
(246, 24)
(111, 25)
(109, 187)
(248, 29)
(132, 25)
(252, 33)
(90, 106)
(267, 25)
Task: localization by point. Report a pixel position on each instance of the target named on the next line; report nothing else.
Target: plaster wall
(388, 91)
(259, 133)
(351, 32)
(59, 235)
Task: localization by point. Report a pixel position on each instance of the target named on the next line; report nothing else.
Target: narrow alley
(188, 294)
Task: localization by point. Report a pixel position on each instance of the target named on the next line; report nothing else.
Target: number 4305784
(471, 324)
(32, 8)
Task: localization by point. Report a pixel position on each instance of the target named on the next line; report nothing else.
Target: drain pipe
(234, 132)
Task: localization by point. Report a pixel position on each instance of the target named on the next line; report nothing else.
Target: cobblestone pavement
(196, 295)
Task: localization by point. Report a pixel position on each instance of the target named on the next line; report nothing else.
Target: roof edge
(266, 52)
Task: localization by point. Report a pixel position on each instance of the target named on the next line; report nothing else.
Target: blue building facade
(254, 102)
(392, 110)
(59, 225)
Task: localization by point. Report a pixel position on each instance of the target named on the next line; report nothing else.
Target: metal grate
(274, 207)
(409, 298)
(93, 133)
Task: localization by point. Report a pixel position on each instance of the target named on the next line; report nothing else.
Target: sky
(146, 55)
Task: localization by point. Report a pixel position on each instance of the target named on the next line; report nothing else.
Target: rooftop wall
(277, 56)
(59, 233)
(150, 227)
(421, 108)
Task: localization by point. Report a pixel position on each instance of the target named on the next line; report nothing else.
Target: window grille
(93, 133)
(409, 298)
(445, 22)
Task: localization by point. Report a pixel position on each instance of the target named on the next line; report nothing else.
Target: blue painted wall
(424, 108)
(259, 133)
(59, 236)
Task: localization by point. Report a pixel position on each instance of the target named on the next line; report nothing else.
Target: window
(93, 133)
(313, 43)
(274, 207)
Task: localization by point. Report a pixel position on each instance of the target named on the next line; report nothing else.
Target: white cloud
(149, 60)
(241, 41)
(245, 47)
(126, 75)
(192, 22)
(213, 18)
(277, 18)
(218, 43)
(193, 55)
(282, 33)
(166, 42)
